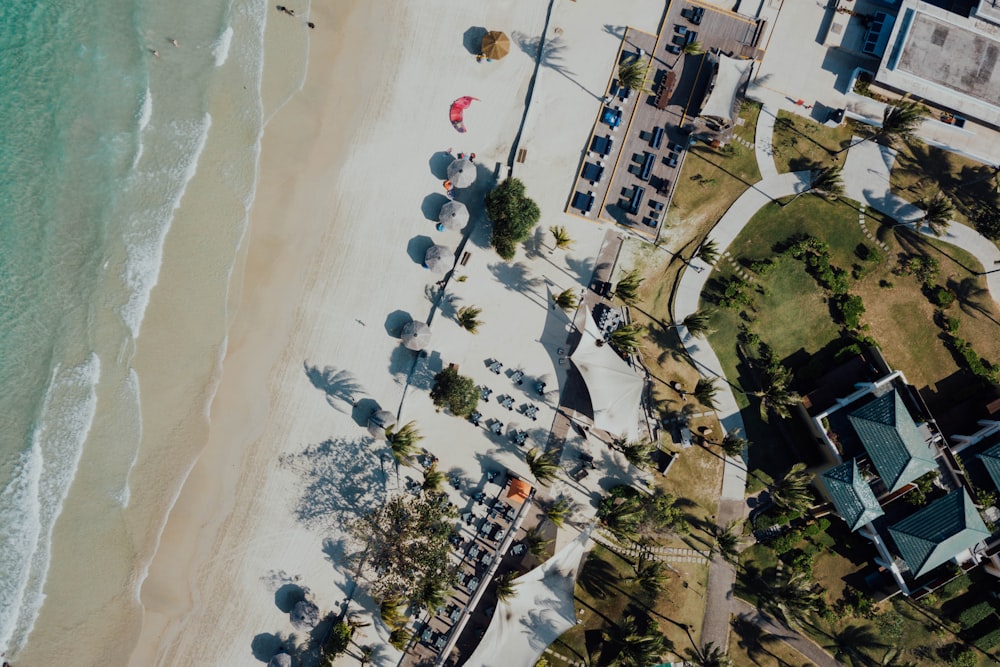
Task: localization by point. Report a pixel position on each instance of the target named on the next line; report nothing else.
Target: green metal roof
(991, 461)
(890, 436)
(938, 532)
(851, 495)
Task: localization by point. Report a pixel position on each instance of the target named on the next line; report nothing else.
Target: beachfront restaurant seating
(601, 145)
(583, 202)
(646, 169)
(670, 160)
(656, 139)
(635, 200)
(613, 117)
(593, 172)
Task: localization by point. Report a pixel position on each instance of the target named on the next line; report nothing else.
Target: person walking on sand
(174, 42)
(155, 53)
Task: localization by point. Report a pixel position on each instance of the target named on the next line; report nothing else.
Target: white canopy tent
(615, 389)
(732, 74)
(540, 611)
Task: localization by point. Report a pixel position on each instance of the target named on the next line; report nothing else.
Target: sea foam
(220, 49)
(146, 229)
(33, 500)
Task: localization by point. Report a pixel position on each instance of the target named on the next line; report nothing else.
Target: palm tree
(705, 391)
(633, 73)
(899, 123)
(566, 299)
(791, 492)
(698, 323)
(827, 181)
(650, 575)
(709, 655)
(544, 467)
(561, 238)
(627, 338)
(791, 596)
(708, 251)
(776, 397)
(622, 518)
(638, 453)
(938, 213)
(399, 638)
(468, 318)
(693, 49)
(848, 645)
(727, 541)
(433, 478)
(733, 445)
(628, 287)
(536, 543)
(505, 586)
(403, 442)
(558, 511)
(391, 611)
(631, 647)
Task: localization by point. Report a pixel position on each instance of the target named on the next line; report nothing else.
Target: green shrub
(941, 297)
(966, 658)
(974, 614)
(456, 392)
(955, 586)
(786, 542)
(338, 641)
(973, 361)
(988, 641)
(817, 527)
(849, 309)
(886, 284)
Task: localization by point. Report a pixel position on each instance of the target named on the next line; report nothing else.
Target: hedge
(988, 641)
(974, 614)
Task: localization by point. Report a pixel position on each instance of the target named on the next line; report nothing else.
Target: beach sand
(331, 269)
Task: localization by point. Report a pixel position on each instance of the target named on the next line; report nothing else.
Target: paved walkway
(798, 642)
(762, 141)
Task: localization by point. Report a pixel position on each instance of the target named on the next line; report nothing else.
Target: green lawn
(800, 142)
(793, 317)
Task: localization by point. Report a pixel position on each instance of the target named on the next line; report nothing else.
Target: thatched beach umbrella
(439, 259)
(379, 422)
(454, 216)
(495, 45)
(462, 173)
(305, 615)
(280, 660)
(416, 335)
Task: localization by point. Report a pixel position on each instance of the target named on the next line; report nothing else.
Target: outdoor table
(440, 642)
(473, 584)
(428, 633)
(518, 549)
(487, 559)
(475, 417)
(517, 376)
(474, 551)
(455, 613)
(498, 427)
(485, 528)
(495, 367)
(484, 392)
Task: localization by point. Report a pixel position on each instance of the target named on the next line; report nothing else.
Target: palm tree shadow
(970, 297)
(337, 384)
(550, 53)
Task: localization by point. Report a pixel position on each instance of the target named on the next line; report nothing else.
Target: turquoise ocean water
(99, 141)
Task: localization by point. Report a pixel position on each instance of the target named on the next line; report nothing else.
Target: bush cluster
(973, 362)
(924, 268)
(973, 615)
(988, 641)
(941, 296)
(513, 215)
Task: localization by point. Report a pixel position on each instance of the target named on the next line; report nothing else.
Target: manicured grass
(712, 180)
(800, 142)
(746, 127)
(676, 606)
(793, 317)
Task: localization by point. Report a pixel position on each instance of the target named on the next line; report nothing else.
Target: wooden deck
(632, 182)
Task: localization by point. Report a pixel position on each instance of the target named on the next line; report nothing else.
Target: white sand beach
(350, 176)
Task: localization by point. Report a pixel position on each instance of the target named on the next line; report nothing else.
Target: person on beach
(311, 25)
(155, 53)
(174, 42)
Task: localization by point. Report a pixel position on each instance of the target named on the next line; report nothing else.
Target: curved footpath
(720, 603)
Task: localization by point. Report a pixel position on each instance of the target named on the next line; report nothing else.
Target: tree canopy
(456, 392)
(404, 548)
(513, 215)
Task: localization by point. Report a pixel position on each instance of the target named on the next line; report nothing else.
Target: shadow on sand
(340, 480)
(395, 321)
(417, 248)
(472, 39)
(337, 384)
(431, 205)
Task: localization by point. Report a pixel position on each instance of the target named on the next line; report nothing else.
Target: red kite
(458, 108)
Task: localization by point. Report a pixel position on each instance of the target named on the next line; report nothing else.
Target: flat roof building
(945, 58)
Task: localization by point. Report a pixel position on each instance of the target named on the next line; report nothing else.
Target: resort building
(882, 444)
(947, 59)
